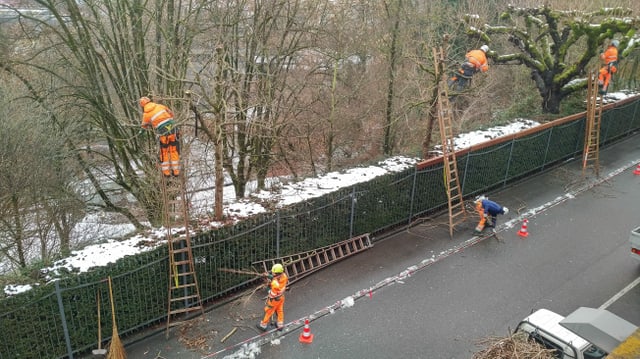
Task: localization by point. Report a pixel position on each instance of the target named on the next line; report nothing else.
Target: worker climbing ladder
(184, 292)
(457, 212)
(592, 127)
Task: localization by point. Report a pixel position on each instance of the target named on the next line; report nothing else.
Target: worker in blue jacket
(488, 209)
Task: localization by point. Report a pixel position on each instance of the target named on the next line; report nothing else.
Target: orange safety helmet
(144, 100)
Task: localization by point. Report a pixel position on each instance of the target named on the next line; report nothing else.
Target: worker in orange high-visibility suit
(160, 118)
(475, 61)
(278, 281)
(610, 67)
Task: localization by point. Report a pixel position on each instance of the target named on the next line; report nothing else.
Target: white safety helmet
(484, 48)
(615, 43)
(506, 210)
(480, 198)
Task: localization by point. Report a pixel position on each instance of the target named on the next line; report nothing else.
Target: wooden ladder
(591, 151)
(457, 212)
(184, 292)
(302, 264)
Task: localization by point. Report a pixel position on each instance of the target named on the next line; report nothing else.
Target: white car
(544, 327)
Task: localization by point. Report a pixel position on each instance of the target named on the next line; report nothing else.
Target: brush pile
(517, 345)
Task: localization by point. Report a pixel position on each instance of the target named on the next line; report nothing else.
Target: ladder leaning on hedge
(590, 156)
(445, 121)
(184, 292)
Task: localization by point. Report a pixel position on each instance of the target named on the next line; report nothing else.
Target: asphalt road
(577, 254)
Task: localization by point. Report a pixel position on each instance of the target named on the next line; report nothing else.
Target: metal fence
(59, 320)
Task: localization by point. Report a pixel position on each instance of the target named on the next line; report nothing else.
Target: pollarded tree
(558, 46)
(92, 59)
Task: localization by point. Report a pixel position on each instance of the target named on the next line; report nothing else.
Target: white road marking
(620, 294)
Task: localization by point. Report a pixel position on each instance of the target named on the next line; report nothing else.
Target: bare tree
(39, 202)
(247, 88)
(103, 56)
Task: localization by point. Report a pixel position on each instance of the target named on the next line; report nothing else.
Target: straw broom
(116, 349)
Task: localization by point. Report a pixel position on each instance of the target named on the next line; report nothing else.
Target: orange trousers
(604, 76)
(274, 305)
(169, 154)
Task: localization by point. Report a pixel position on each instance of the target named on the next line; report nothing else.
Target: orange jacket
(479, 60)
(156, 115)
(278, 285)
(610, 55)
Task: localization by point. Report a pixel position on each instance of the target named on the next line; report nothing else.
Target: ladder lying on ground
(302, 264)
(184, 292)
(592, 128)
(457, 212)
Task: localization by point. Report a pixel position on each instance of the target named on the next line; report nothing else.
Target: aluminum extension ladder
(299, 265)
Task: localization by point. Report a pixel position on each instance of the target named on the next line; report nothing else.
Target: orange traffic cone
(306, 336)
(637, 170)
(523, 230)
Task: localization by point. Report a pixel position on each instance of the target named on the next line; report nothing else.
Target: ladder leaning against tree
(592, 128)
(184, 291)
(457, 212)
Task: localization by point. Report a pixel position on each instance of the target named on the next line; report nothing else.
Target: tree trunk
(18, 237)
(388, 144)
(551, 102)
(426, 144)
(220, 116)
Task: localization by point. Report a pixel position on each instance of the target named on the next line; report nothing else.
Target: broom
(116, 349)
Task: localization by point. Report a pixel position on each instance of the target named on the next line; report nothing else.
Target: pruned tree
(102, 56)
(557, 46)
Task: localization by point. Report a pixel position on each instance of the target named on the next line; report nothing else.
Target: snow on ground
(112, 247)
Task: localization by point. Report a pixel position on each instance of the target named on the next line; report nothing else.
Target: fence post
(583, 127)
(633, 117)
(353, 211)
(607, 124)
(277, 234)
(413, 193)
(506, 172)
(67, 339)
(466, 170)
(546, 150)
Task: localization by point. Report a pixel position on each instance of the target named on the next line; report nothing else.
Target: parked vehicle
(586, 333)
(634, 239)
(544, 327)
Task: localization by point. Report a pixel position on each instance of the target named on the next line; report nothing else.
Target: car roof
(550, 322)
